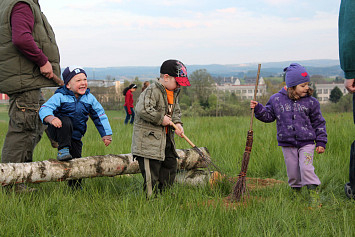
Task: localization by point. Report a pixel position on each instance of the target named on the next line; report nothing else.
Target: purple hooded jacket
(299, 122)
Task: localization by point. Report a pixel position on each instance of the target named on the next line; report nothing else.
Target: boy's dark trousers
(162, 173)
(64, 138)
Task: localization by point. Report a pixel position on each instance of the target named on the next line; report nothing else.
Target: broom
(240, 187)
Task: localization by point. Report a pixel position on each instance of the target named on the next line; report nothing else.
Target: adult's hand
(47, 70)
(349, 85)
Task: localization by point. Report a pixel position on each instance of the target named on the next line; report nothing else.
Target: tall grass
(116, 206)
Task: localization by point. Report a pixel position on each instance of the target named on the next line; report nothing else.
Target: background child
(153, 139)
(128, 105)
(145, 85)
(299, 123)
(66, 114)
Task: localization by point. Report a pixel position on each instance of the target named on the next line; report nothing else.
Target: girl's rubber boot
(314, 198)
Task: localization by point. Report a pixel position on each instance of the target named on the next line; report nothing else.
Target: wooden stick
(57, 80)
(183, 135)
(255, 92)
(206, 159)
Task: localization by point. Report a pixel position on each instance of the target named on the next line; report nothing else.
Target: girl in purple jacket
(300, 126)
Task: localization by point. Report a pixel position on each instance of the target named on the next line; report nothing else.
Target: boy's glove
(107, 139)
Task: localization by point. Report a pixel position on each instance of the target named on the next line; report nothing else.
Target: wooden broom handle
(183, 135)
(57, 80)
(255, 92)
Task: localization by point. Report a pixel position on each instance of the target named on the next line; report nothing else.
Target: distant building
(246, 91)
(324, 90)
(102, 83)
(105, 83)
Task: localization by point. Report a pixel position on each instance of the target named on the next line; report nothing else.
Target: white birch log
(88, 167)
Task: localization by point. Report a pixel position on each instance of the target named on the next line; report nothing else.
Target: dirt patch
(252, 184)
(256, 183)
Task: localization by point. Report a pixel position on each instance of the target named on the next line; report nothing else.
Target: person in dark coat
(347, 63)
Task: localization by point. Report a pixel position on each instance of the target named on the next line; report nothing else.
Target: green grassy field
(116, 206)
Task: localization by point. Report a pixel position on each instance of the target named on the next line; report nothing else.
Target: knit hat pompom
(295, 75)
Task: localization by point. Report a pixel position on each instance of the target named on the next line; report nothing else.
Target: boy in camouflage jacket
(153, 139)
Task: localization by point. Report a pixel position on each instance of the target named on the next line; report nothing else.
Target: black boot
(297, 189)
(348, 191)
(75, 184)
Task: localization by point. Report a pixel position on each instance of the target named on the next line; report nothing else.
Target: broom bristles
(239, 188)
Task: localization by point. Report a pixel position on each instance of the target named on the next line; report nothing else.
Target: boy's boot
(19, 188)
(314, 198)
(22, 188)
(75, 184)
(63, 154)
(348, 191)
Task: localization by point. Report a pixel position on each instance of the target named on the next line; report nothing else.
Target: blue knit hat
(70, 72)
(295, 75)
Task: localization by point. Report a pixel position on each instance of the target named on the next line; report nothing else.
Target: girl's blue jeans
(129, 116)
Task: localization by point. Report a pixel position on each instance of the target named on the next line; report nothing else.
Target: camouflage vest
(17, 73)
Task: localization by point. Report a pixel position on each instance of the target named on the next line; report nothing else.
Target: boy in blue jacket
(67, 112)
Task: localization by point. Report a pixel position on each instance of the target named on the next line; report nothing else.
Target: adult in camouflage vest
(29, 57)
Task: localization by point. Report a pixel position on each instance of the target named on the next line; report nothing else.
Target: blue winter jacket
(64, 104)
(299, 122)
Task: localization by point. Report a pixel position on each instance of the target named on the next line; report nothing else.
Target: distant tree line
(203, 98)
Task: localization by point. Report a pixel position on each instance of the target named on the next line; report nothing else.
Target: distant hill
(324, 67)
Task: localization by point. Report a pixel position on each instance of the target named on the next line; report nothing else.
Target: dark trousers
(352, 167)
(129, 116)
(25, 128)
(161, 173)
(352, 156)
(64, 138)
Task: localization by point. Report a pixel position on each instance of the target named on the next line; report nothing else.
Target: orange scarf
(170, 95)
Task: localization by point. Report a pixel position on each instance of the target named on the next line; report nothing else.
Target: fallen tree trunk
(88, 167)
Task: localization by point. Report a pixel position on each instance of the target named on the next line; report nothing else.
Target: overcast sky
(110, 33)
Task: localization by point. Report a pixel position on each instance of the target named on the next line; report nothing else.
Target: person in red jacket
(128, 105)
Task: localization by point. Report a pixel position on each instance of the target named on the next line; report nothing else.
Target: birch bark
(88, 167)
